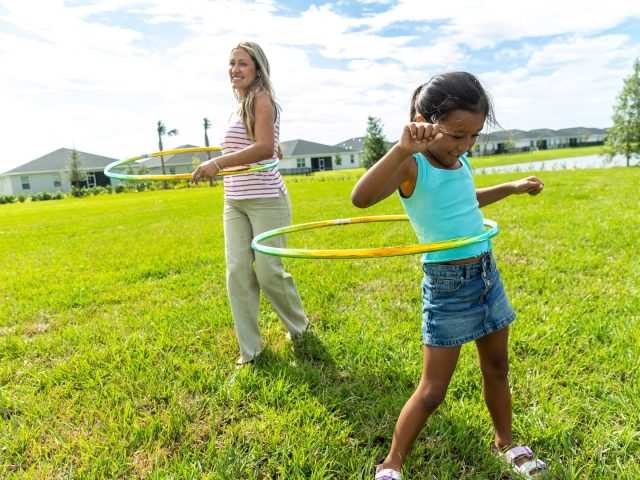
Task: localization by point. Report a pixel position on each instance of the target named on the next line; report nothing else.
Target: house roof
(181, 158)
(504, 135)
(356, 144)
(545, 132)
(57, 162)
(581, 132)
(297, 148)
(353, 144)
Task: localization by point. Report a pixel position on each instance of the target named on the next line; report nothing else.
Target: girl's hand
(206, 170)
(417, 137)
(531, 185)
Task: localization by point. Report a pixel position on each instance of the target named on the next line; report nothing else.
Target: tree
(539, 142)
(624, 136)
(129, 170)
(195, 162)
(375, 144)
(338, 158)
(74, 173)
(207, 125)
(509, 145)
(162, 131)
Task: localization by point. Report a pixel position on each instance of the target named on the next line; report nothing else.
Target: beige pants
(243, 220)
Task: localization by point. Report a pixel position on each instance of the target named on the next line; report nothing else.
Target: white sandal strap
(528, 467)
(388, 474)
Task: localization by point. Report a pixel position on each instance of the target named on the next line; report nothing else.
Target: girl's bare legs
(494, 364)
(438, 368)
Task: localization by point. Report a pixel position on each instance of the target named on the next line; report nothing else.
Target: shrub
(120, 188)
(44, 195)
(3, 200)
(22, 197)
(57, 195)
(33, 197)
(108, 189)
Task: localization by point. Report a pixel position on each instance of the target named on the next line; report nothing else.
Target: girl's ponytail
(413, 111)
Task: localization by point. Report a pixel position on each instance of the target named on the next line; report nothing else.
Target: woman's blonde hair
(261, 84)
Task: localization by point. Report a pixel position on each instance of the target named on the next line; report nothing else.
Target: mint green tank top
(444, 206)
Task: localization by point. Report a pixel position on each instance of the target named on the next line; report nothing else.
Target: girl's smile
(460, 132)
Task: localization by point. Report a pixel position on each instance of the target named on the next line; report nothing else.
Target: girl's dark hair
(448, 92)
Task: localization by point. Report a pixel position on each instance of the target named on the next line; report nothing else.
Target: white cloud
(68, 75)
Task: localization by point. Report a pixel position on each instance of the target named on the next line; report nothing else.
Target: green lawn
(117, 346)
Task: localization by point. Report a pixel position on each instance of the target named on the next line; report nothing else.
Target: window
(25, 183)
(352, 159)
(172, 171)
(56, 180)
(301, 162)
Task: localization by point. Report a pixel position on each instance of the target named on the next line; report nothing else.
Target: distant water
(587, 161)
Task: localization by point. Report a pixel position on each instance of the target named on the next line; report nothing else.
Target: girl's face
(242, 71)
(460, 131)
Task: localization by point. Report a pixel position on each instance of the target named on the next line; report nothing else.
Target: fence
(296, 171)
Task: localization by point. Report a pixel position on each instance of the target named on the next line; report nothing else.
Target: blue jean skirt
(461, 303)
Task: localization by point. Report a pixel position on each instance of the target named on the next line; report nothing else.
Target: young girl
(254, 203)
(463, 298)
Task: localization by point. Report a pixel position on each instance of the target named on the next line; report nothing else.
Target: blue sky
(100, 74)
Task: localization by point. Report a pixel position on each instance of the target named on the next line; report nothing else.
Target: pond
(587, 161)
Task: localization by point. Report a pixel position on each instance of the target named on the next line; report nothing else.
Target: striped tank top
(261, 184)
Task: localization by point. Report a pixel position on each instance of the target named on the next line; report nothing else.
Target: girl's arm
(397, 168)
(264, 133)
(486, 196)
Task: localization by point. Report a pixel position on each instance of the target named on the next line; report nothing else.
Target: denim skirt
(461, 303)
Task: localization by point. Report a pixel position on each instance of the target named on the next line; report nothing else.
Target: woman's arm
(261, 149)
(397, 168)
(486, 196)
(263, 131)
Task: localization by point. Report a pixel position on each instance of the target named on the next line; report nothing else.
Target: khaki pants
(243, 220)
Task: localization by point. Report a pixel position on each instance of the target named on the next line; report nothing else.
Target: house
(179, 162)
(49, 173)
(302, 156)
(512, 141)
(356, 148)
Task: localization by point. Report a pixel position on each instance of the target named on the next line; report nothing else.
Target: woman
(254, 203)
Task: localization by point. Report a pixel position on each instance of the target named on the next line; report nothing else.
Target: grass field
(117, 346)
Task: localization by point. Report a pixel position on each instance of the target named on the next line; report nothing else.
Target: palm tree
(207, 125)
(162, 131)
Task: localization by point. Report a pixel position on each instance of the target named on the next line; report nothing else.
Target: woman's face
(242, 71)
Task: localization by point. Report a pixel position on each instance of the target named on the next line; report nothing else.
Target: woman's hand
(206, 170)
(417, 137)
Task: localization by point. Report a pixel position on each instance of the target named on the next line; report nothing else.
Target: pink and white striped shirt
(261, 184)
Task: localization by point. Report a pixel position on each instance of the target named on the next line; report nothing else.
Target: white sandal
(510, 456)
(387, 474)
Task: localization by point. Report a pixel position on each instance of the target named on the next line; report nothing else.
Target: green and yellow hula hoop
(365, 252)
(177, 176)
